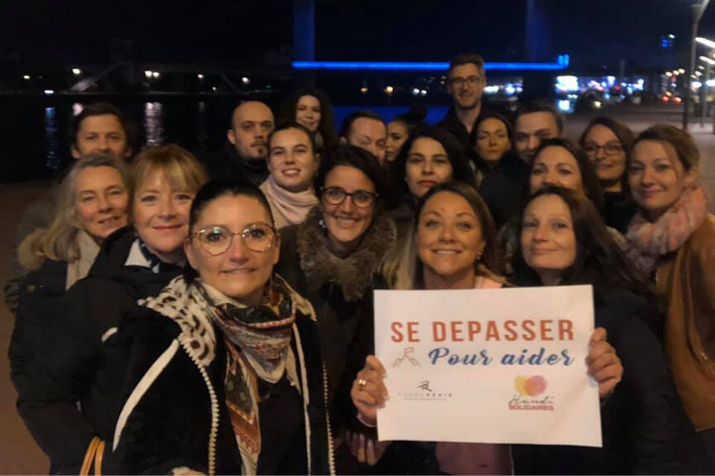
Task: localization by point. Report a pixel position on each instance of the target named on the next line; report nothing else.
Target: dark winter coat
(76, 367)
(226, 163)
(175, 414)
(40, 294)
(643, 423)
(502, 187)
(618, 211)
(340, 290)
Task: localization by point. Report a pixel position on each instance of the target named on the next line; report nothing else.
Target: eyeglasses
(470, 80)
(216, 240)
(336, 196)
(611, 148)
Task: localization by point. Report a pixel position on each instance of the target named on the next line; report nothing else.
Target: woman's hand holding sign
(368, 391)
(603, 363)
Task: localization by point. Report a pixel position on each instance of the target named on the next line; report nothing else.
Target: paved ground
(18, 452)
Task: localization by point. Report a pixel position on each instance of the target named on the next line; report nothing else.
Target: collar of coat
(352, 274)
(186, 305)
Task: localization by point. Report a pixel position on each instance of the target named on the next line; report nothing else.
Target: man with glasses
(244, 156)
(466, 80)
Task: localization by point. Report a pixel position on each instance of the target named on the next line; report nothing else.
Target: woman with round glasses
(607, 143)
(332, 259)
(225, 374)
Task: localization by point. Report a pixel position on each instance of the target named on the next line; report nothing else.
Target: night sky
(594, 33)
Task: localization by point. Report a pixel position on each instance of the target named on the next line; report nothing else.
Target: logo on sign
(407, 356)
(530, 394)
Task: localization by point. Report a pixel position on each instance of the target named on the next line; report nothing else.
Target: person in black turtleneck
(75, 388)
(607, 143)
(244, 155)
(500, 172)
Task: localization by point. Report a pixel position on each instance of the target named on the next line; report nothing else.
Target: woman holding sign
(563, 241)
(672, 238)
(452, 245)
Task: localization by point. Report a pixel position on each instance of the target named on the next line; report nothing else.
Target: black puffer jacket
(76, 367)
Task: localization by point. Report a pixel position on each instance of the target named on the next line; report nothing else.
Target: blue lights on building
(561, 64)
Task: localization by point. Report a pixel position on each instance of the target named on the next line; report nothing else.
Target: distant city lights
(76, 71)
(155, 74)
(705, 42)
(389, 90)
(147, 74)
(26, 77)
(49, 92)
(668, 74)
(213, 89)
(200, 76)
(245, 80)
(364, 90)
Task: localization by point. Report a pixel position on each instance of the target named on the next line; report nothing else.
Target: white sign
(488, 366)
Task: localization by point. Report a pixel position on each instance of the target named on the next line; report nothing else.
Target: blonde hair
(402, 267)
(180, 167)
(57, 242)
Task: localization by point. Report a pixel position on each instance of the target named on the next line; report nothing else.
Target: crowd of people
(213, 314)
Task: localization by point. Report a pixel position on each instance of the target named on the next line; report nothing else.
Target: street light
(705, 41)
(76, 71)
(697, 11)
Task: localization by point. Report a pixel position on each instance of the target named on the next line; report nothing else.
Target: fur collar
(185, 305)
(352, 274)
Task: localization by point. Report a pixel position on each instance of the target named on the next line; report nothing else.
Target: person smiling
(429, 157)
(563, 241)
(311, 108)
(672, 239)
(292, 163)
(607, 143)
(452, 245)
(500, 169)
(332, 259)
(230, 380)
(94, 201)
(78, 381)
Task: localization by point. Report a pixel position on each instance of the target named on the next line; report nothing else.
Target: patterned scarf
(646, 242)
(258, 346)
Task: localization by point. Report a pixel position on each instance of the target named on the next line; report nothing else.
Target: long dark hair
(461, 171)
(326, 127)
(622, 132)
(599, 260)
(591, 185)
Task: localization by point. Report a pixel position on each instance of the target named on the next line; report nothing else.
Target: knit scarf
(289, 208)
(646, 241)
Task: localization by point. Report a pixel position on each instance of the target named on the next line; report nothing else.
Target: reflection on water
(52, 143)
(153, 123)
(202, 125)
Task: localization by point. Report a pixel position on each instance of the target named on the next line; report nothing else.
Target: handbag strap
(98, 457)
(89, 456)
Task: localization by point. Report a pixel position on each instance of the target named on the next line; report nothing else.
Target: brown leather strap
(89, 456)
(98, 457)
